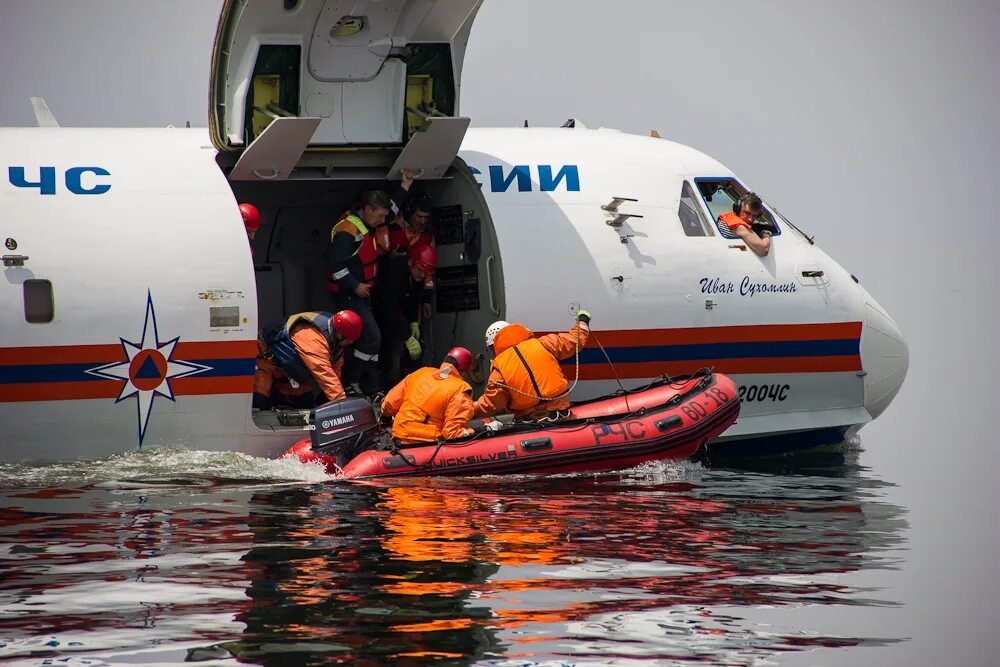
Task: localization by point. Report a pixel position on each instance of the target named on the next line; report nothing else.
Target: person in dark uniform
(409, 230)
(398, 300)
(356, 241)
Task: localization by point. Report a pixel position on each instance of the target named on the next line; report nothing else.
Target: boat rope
(613, 370)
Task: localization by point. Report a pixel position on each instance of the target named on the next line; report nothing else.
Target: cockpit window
(720, 194)
(693, 220)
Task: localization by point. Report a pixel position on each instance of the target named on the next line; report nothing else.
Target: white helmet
(493, 330)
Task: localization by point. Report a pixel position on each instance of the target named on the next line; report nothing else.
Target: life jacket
(366, 249)
(401, 237)
(527, 367)
(279, 341)
(428, 392)
(733, 221)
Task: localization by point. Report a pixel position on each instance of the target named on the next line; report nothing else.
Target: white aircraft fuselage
(130, 304)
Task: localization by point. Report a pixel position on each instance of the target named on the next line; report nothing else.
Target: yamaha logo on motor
(338, 421)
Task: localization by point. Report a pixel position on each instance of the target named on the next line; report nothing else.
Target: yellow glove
(413, 347)
(414, 329)
(583, 316)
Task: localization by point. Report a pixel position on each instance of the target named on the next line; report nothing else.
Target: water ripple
(173, 556)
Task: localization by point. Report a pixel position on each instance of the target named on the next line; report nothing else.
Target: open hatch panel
(360, 79)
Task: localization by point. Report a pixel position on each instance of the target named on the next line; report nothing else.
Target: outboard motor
(341, 429)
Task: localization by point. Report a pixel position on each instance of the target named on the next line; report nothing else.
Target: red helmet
(251, 216)
(462, 357)
(348, 325)
(424, 256)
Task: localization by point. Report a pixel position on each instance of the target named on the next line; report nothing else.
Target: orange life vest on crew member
(366, 252)
(524, 364)
(732, 220)
(429, 390)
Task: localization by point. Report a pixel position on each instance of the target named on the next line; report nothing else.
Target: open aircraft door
(312, 101)
(337, 89)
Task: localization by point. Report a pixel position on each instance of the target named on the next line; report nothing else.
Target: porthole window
(38, 303)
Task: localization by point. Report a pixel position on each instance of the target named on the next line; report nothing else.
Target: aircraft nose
(885, 357)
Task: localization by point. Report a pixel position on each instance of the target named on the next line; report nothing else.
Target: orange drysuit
(315, 352)
(526, 368)
(430, 404)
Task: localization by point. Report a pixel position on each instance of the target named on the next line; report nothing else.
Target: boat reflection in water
(665, 563)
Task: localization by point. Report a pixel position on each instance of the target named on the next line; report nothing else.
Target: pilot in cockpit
(746, 212)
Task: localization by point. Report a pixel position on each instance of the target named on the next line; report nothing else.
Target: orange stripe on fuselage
(106, 354)
(61, 354)
(104, 389)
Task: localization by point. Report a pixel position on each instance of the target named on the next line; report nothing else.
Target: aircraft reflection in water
(117, 569)
(496, 570)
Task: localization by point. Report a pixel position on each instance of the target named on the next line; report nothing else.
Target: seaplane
(131, 301)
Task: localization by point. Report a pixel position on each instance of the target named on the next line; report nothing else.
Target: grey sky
(872, 125)
(863, 103)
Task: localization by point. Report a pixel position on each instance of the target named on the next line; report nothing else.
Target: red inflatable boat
(669, 419)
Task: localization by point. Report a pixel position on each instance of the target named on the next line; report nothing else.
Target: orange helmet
(461, 357)
(424, 257)
(348, 325)
(251, 216)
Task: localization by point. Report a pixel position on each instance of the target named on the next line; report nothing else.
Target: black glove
(583, 316)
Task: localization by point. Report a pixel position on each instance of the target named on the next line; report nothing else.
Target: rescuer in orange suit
(746, 210)
(525, 377)
(308, 347)
(432, 404)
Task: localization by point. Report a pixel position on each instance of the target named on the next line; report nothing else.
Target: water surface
(172, 556)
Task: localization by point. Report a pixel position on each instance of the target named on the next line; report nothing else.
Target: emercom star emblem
(148, 368)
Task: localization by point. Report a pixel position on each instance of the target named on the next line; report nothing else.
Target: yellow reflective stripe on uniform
(358, 224)
(309, 317)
